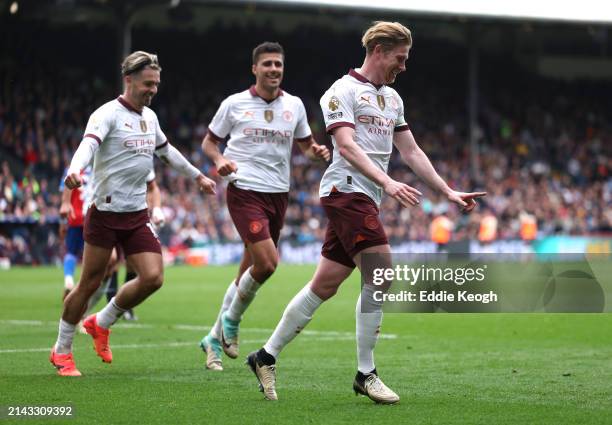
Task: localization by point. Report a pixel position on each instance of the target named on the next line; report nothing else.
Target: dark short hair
(267, 47)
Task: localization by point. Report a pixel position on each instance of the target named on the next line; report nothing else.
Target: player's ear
(378, 50)
(254, 69)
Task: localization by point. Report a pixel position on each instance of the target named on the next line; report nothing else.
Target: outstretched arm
(416, 159)
(350, 151)
(171, 156)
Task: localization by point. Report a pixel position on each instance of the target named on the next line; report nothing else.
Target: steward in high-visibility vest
(440, 229)
(529, 226)
(488, 228)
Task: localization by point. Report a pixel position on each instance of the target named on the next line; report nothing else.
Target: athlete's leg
(211, 343)
(149, 270)
(94, 264)
(111, 268)
(298, 313)
(325, 283)
(264, 256)
(368, 318)
(368, 311)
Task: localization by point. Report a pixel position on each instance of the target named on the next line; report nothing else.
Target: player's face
(269, 70)
(393, 62)
(144, 86)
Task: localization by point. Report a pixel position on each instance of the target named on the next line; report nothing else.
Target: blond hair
(388, 34)
(137, 61)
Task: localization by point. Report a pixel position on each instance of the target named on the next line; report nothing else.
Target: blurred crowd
(544, 153)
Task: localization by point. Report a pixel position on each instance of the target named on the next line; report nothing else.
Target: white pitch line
(311, 334)
(166, 345)
(187, 327)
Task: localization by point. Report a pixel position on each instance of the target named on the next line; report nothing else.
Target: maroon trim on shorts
(339, 124)
(214, 136)
(304, 139)
(362, 79)
(254, 93)
(163, 145)
(127, 105)
(401, 128)
(93, 136)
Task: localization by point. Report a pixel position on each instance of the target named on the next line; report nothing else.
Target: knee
(324, 292)
(153, 280)
(264, 269)
(88, 285)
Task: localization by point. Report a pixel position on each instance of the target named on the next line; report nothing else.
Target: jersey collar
(363, 79)
(127, 106)
(255, 94)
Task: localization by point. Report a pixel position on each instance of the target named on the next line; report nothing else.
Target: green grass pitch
(448, 369)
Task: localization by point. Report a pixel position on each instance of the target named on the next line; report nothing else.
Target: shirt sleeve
(160, 137)
(151, 176)
(302, 129)
(99, 125)
(222, 122)
(338, 105)
(400, 123)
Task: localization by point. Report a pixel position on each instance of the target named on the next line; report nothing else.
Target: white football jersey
(261, 136)
(124, 160)
(375, 113)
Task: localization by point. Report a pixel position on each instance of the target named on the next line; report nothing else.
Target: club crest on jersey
(143, 126)
(288, 116)
(334, 102)
(381, 101)
(269, 115)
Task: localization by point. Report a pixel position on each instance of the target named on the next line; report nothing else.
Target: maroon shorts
(353, 226)
(257, 215)
(132, 231)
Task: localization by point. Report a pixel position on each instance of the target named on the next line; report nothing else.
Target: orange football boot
(100, 338)
(64, 363)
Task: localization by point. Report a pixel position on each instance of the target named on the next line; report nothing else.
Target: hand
(225, 167)
(320, 152)
(73, 180)
(404, 194)
(158, 218)
(66, 210)
(206, 185)
(465, 199)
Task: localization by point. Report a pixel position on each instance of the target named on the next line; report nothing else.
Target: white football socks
(64, 337)
(367, 328)
(296, 316)
(247, 288)
(215, 332)
(109, 314)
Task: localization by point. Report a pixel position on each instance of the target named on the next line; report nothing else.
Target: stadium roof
(595, 11)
